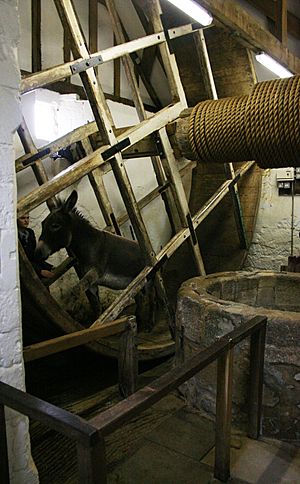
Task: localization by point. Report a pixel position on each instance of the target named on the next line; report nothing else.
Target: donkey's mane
(75, 211)
(78, 214)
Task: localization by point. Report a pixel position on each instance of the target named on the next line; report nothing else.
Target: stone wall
(22, 469)
(211, 306)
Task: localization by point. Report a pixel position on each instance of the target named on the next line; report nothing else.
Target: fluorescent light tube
(194, 10)
(273, 65)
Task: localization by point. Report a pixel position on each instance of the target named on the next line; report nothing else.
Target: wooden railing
(89, 436)
(127, 354)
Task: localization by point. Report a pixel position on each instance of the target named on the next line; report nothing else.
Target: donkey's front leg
(88, 283)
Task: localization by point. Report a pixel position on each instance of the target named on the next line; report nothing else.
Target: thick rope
(263, 126)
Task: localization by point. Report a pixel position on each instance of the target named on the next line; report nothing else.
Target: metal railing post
(92, 462)
(223, 415)
(257, 353)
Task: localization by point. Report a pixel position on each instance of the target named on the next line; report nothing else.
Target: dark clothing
(28, 241)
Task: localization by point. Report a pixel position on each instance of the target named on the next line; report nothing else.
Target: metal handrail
(89, 436)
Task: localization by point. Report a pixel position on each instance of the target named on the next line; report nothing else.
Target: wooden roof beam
(250, 31)
(269, 9)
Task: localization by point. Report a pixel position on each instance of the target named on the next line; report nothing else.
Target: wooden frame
(110, 154)
(90, 435)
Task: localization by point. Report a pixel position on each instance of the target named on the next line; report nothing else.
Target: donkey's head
(57, 228)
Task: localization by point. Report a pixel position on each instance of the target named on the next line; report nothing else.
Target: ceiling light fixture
(194, 10)
(273, 65)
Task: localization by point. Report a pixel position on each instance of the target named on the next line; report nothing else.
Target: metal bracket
(157, 267)
(113, 150)
(86, 64)
(191, 228)
(166, 32)
(36, 156)
(159, 146)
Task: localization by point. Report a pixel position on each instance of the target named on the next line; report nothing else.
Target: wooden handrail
(72, 340)
(90, 435)
(123, 411)
(56, 418)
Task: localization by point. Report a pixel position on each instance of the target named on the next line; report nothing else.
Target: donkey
(117, 260)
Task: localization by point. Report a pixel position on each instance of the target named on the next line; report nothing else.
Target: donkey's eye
(55, 227)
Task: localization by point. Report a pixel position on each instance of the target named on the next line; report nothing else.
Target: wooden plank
(36, 54)
(97, 183)
(37, 168)
(93, 26)
(72, 340)
(92, 463)
(57, 73)
(49, 149)
(169, 60)
(180, 199)
(228, 167)
(90, 162)
(129, 71)
(112, 418)
(4, 467)
(268, 8)
(144, 238)
(56, 418)
(281, 21)
(117, 74)
(128, 359)
(104, 122)
(250, 30)
(223, 416)
(257, 352)
(148, 27)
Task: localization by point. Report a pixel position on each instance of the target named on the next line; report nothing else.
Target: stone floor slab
(154, 464)
(185, 433)
(262, 462)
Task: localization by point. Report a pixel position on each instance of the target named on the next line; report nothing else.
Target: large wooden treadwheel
(109, 152)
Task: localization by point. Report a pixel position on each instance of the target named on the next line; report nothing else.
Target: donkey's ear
(71, 201)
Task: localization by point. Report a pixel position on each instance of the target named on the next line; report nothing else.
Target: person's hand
(47, 274)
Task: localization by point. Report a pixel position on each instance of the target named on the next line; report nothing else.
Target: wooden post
(223, 416)
(209, 82)
(281, 21)
(4, 468)
(92, 462)
(117, 74)
(128, 359)
(97, 183)
(257, 351)
(36, 56)
(179, 344)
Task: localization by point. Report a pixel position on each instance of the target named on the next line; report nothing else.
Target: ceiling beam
(281, 21)
(269, 9)
(249, 30)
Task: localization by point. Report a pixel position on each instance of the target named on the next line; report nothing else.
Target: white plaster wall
(63, 113)
(22, 469)
(52, 43)
(273, 237)
(271, 244)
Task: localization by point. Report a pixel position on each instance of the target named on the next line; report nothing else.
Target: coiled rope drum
(263, 126)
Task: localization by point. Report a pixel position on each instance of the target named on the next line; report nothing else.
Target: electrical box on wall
(286, 178)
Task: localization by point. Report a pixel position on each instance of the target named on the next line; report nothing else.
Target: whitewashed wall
(273, 238)
(64, 113)
(271, 244)
(22, 469)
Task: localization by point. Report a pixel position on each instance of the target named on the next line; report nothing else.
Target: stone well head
(211, 306)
